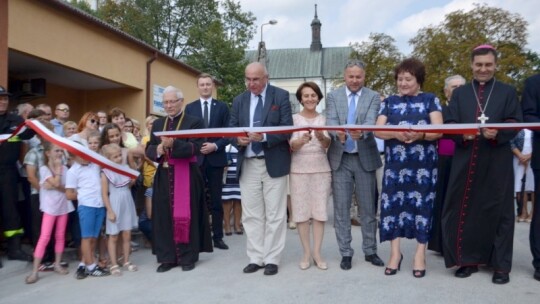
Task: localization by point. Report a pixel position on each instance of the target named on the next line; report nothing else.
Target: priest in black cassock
(179, 216)
(478, 214)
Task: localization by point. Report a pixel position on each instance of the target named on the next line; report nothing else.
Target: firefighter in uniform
(9, 154)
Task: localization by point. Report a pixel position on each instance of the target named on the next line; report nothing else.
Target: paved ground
(218, 278)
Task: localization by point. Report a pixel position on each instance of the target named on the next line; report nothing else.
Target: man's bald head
(256, 77)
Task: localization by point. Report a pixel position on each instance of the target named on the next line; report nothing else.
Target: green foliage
(209, 35)
(445, 48)
(82, 5)
(218, 48)
(380, 56)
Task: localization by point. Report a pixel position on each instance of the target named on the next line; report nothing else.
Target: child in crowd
(148, 171)
(83, 184)
(33, 160)
(55, 207)
(121, 214)
(112, 134)
(70, 128)
(94, 141)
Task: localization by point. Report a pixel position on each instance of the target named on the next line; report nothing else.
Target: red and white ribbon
(21, 128)
(446, 129)
(80, 150)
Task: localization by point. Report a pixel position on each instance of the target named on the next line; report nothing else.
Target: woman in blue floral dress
(410, 171)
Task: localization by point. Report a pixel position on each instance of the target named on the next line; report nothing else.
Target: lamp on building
(261, 57)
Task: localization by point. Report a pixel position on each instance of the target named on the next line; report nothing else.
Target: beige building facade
(51, 52)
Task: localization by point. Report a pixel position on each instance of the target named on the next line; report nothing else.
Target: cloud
(348, 21)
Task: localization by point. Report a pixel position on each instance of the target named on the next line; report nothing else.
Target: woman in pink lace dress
(310, 175)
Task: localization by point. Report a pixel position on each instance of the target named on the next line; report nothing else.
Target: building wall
(63, 38)
(291, 85)
(38, 29)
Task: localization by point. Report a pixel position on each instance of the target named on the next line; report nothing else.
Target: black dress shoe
(251, 268)
(346, 263)
(270, 269)
(500, 277)
(466, 271)
(188, 267)
(220, 244)
(165, 267)
(537, 274)
(374, 259)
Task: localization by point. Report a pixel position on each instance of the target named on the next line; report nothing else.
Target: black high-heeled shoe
(419, 273)
(391, 271)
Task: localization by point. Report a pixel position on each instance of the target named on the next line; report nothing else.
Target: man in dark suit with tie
(264, 162)
(354, 158)
(213, 159)
(531, 113)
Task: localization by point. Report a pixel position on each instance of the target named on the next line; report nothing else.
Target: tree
(219, 47)
(380, 56)
(445, 48)
(210, 37)
(164, 24)
(82, 5)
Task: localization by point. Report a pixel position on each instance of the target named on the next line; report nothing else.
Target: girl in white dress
(121, 214)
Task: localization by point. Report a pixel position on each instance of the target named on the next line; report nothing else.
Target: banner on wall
(157, 101)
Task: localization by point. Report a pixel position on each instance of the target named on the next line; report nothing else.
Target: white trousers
(264, 212)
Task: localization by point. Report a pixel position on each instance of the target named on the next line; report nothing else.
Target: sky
(349, 21)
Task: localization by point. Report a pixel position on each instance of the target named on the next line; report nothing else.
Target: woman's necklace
(483, 118)
(167, 152)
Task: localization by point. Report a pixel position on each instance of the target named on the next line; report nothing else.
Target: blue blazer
(219, 118)
(530, 103)
(276, 112)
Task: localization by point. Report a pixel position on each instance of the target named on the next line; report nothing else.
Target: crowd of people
(451, 193)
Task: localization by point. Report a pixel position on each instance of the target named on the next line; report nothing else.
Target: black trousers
(534, 234)
(213, 177)
(9, 214)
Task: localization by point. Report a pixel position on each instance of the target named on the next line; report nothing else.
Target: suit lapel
(343, 106)
(246, 99)
(267, 103)
(362, 108)
(198, 110)
(213, 114)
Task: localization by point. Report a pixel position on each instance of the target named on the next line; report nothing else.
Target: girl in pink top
(55, 208)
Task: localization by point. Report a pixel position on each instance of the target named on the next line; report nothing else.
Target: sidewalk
(218, 278)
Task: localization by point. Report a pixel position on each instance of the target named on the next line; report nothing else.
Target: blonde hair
(94, 133)
(108, 150)
(148, 120)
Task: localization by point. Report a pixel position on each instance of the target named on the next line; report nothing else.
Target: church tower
(316, 44)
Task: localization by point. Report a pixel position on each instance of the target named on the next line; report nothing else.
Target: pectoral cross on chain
(482, 118)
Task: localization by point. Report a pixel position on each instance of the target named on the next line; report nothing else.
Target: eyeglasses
(93, 121)
(63, 110)
(168, 102)
(355, 62)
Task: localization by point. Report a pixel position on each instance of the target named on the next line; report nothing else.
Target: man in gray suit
(264, 162)
(354, 158)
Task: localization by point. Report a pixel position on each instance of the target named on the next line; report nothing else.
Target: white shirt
(348, 92)
(87, 181)
(52, 201)
(209, 107)
(252, 105)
